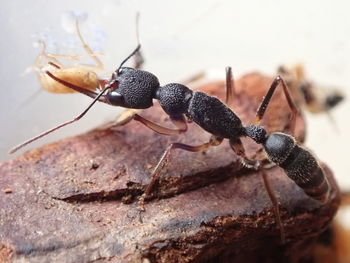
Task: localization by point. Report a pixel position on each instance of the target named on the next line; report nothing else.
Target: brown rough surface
(73, 200)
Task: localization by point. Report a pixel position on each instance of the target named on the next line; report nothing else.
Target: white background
(179, 39)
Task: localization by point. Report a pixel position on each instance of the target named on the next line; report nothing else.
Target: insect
(77, 73)
(136, 89)
(82, 75)
(306, 93)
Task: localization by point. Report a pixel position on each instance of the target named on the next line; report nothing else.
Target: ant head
(132, 88)
(278, 146)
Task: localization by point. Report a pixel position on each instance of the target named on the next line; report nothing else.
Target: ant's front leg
(131, 114)
(179, 121)
(213, 141)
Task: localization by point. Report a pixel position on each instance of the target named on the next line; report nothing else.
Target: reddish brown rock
(74, 200)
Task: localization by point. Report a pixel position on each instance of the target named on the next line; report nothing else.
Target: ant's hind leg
(263, 106)
(214, 141)
(275, 205)
(237, 147)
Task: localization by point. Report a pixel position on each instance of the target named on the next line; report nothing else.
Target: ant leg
(50, 57)
(213, 141)
(263, 106)
(54, 65)
(53, 58)
(132, 114)
(275, 205)
(179, 122)
(99, 65)
(230, 87)
(237, 147)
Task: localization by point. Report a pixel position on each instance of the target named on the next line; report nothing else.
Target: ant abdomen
(299, 164)
(303, 168)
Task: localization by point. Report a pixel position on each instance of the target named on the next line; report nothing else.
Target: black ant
(135, 89)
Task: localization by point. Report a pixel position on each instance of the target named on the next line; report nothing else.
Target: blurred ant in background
(316, 99)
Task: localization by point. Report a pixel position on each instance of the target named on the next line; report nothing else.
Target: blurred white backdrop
(179, 39)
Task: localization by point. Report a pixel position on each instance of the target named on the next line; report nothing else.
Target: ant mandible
(135, 89)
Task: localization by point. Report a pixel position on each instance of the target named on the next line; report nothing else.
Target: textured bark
(76, 200)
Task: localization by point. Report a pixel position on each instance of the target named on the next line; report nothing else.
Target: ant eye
(115, 98)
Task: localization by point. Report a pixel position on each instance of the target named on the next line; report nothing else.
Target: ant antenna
(86, 46)
(54, 65)
(137, 22)
(137, 49)
(61, 125)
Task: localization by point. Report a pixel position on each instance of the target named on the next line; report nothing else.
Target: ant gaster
(136, 89)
